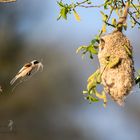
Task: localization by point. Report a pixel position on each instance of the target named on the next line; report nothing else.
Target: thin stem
(135, 7)
(109, 24)
(123, 3)
(110, 14)
(79, 3)
(91, 6)
(130, 14)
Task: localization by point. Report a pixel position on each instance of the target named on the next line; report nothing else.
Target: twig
(133, 18)
(135, 7)
(110, 14)
(122, 19)
(125, 13)
(79, 3)
(91, 6)
(109, 24)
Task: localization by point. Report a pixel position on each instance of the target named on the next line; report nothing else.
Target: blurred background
(50, 104)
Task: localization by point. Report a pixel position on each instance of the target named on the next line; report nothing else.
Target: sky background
(50, 104)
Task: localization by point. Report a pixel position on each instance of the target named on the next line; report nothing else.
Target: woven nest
(116, 65)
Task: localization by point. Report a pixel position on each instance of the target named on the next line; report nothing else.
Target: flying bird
(27, 69)
(10, 125)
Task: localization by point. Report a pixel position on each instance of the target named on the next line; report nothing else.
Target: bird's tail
(13, 80)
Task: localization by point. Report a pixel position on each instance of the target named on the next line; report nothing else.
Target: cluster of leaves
(134, 14)
(66, 9)
(92, 94)
(113, 6)
(92, 48)
(93, 82)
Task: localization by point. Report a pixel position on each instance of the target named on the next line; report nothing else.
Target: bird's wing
(40, 65)
(24, 67)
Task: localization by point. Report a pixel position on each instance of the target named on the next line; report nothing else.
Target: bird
(27, 69)
(10, 125)
(0, 88)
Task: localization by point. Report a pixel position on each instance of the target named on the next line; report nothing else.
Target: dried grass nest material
(116, 65)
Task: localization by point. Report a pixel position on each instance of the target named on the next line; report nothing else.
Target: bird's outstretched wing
(24, 67)
(21, 70)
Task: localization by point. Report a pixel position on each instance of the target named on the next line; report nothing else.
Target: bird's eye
(36, 62)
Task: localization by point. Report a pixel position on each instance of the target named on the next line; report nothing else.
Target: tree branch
(122, 19)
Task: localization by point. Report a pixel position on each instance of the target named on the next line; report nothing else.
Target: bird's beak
(40, 65)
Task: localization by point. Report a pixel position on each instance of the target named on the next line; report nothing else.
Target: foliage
(110, 8)
(92, 48)
(93, 82)
(113, 6)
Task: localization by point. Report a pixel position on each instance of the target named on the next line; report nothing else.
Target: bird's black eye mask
(36, 62)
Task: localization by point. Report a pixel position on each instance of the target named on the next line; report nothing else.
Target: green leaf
(81, 48)
(114, 22)
(128, 50)
(106, 6)
(104, 16)
(61, 5)
(90, 55)
(91, 99)
(64, 12)
(85, 92)
(93, 41)
(92, 49)
(93, 80)
(114, 62)
(59, 17)
(97, 38)
(125, 26)
(104, 28)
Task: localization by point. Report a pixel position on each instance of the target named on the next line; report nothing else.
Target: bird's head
(35, 62)
(38, 64)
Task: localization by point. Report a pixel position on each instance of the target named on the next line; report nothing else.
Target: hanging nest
(116, 65)
(116, 71)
